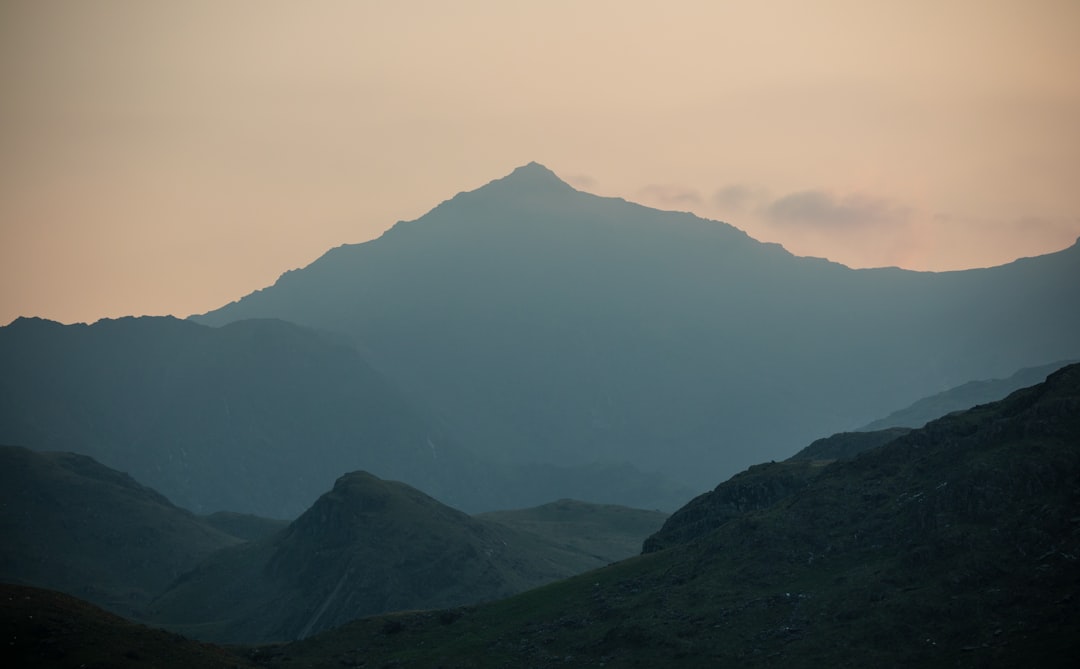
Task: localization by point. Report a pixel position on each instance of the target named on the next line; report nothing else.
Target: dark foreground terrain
(44, 628)
(953, 545)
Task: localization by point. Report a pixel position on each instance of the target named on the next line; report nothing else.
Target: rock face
(550, 325)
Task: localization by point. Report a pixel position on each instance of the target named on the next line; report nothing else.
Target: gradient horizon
(167, 158)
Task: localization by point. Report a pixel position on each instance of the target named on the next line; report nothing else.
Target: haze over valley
(568, 368)
(562, 334)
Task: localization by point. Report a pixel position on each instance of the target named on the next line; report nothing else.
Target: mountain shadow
(548, 325)
(70, 524)
(952, 545)
(370, 546)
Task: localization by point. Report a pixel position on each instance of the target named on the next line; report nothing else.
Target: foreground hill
(953, 545)
(258, 417)
(370, 546)
(68, 523)
(550, 325)
(44, 628)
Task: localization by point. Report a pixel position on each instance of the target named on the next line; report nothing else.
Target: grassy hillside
(954, 545)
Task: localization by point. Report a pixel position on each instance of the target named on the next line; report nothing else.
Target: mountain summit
(533, 175)
(545, 324)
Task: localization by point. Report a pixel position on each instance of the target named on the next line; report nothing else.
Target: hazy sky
(168, 157)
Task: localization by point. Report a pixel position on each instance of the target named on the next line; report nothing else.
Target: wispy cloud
(739, 197)
(670, 195)
(582, 181)
(821, 209)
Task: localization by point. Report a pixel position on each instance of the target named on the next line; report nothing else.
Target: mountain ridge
(260, 416)
(562, 327)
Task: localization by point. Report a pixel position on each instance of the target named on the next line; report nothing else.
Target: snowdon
(548, 325)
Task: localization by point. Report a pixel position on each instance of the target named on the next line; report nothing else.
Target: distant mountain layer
(258, 417)
(370, 546)
(963, 397)
(953, 545)
(69, 523)
(543, 324)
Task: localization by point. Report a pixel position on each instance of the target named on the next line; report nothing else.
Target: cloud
(817, 208)
(670, 195)
(581, 181)
(739, 197)
(735, 196)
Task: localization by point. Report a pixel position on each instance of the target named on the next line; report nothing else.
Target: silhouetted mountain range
(545, 324)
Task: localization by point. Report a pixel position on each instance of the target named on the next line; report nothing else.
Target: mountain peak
(533, 170)
(532, 176)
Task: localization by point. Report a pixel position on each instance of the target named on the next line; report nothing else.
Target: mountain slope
(953, 545)
(71, 524)
(963, 396)
(545, 324)
(367, 546)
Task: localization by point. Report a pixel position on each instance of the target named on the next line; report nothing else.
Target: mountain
(45, 628)
(544, 324)
(953, 545)
(370, 546)
(68, 523)
(259, 417)
(963, 396)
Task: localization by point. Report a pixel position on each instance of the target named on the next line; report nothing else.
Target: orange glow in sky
(169, 157)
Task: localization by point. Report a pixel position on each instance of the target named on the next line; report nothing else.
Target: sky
(163, 157)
